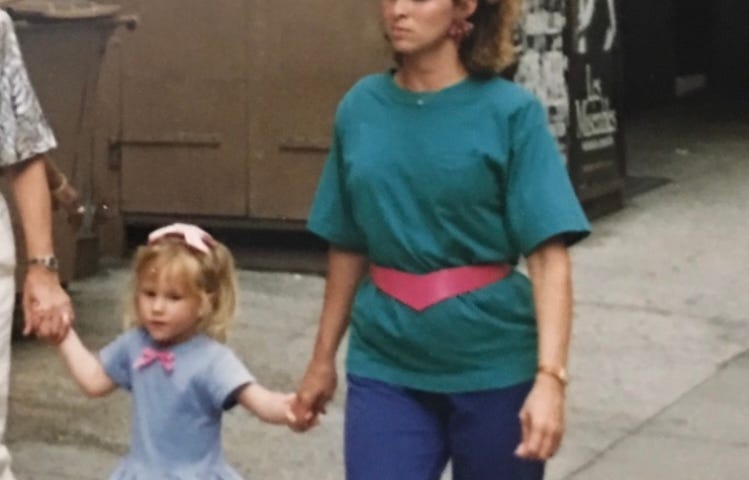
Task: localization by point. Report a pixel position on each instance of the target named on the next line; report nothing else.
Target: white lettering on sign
(595, 116)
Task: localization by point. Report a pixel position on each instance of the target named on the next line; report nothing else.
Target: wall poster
(595, 138)
(542, 62)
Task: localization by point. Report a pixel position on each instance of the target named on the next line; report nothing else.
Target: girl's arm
(542, 415)
(85, 367)
(267, 405)
(345, 269)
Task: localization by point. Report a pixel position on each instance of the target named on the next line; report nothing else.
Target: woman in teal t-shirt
(441, 176)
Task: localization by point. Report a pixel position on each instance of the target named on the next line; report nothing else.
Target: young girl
(181, 375)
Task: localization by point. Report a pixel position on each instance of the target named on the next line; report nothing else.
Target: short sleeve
(225, 376)
(541, 202)
(24, 131)
(117, 361)
(331, 217)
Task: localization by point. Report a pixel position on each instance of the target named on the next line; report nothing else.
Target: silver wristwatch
(48, 261)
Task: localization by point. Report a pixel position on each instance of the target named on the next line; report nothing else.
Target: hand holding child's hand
(315, 391)
(289, 417)
(48, 311)
(300, 418)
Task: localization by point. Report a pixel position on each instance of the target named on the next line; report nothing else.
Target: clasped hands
(48, 312)
(315, 391)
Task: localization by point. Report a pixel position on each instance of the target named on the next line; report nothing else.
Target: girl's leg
(484, 432)
(393, 433)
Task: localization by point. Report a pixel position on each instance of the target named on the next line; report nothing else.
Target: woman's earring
(459, 30)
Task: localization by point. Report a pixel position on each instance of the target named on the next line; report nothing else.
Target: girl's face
(167, 308)
(415, 26)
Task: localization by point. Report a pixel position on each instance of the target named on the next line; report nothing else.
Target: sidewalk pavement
(660, 354)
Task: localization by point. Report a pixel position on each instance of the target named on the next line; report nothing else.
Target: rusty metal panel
(182, 144)
(181, 151)
(303, 58)
(225, 108)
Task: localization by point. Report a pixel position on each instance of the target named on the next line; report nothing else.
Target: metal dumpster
(63, 43)
(221, 112)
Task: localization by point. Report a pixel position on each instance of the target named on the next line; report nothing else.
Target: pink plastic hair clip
(193, 236)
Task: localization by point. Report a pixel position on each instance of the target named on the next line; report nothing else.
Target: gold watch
(559, 373)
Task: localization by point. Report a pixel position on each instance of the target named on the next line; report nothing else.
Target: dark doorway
(673, 48)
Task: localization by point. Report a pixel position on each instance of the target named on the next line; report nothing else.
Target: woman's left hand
(542, 419)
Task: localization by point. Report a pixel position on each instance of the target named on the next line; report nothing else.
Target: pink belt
(421, 291)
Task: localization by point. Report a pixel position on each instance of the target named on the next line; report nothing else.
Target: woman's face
(414, 26)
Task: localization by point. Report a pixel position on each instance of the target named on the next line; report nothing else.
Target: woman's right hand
(315, 391)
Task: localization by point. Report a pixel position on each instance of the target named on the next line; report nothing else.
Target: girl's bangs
(179, 268)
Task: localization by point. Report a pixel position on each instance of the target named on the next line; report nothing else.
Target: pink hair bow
(193, 236)
(149, 355)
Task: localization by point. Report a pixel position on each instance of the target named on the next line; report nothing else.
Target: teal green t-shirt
(423, 181)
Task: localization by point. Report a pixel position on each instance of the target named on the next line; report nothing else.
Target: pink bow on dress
(149, 355)
(193, 236)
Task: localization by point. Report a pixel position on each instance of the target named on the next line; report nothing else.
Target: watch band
(48, 261)
(559, 373)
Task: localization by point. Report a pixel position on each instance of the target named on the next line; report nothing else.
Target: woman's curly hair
(490, 47)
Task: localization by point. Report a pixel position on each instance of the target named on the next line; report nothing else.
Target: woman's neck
(430, 70)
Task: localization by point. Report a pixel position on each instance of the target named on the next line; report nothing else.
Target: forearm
(31, 192)
(85, 367)
(550, 273)
(267, 405)
(55, 177)
(345, 270)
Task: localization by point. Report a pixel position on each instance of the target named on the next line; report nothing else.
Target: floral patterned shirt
(24, 132)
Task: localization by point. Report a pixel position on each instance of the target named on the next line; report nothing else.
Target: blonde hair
(490, 48)
(211, 275)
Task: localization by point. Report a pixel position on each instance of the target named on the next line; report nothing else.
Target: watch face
(49, 262)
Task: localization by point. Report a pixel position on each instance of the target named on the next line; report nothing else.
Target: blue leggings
(397, 433)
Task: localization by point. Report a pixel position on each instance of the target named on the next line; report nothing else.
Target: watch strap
(48, 261)
(559, 373)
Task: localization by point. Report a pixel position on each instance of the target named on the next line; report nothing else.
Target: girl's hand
(268, 405)
(314, 393)
(542, 420)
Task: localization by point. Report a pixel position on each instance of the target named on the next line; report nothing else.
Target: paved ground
(660, 357)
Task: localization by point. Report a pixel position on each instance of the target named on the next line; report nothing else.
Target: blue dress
(176, 418)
